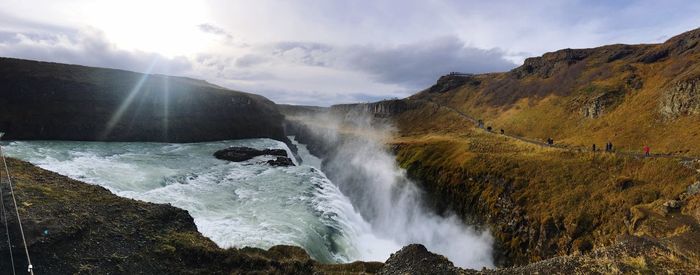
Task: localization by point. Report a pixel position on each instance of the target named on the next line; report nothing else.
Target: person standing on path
(609, 147)
(647, 150)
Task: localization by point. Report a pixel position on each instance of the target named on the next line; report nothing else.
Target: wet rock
(416, 259)
(384, 108)
(239, 154)
(281, 161)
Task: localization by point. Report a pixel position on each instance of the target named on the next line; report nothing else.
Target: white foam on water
(235, 204)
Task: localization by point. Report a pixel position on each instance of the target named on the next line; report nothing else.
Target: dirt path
(559, 146)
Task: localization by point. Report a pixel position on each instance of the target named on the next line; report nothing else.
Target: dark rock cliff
(384, 108)
(448, 82)
(41, 100)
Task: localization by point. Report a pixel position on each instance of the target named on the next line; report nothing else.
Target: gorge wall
(380, 109)
(51, 101)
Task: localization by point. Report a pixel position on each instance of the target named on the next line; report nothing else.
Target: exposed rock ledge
(682, 98)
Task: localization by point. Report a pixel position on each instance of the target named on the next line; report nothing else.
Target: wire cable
(7, 228)
(30, 268)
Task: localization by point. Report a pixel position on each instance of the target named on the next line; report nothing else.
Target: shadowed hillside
(40, 100)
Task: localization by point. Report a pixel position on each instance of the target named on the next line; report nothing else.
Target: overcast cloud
(325, 52)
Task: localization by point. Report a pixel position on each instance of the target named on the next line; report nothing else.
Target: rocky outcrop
(452, 81)
(415, 259)
(51, 101)
(630, 255)
(379, 109)
(545, 65)
(281, 161)
(239, 154)
(596, 101)
(681, 98)
(683, 44)
(300, 110)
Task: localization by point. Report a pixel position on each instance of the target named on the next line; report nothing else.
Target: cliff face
(682, 98)
(380, 109)
(40, 100)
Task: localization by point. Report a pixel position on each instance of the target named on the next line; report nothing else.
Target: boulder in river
(239, 154)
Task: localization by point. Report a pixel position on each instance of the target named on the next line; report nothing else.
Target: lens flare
(117, 116)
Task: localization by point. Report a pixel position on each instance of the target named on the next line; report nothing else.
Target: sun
(169, 28)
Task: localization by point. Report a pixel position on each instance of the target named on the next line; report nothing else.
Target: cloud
(419, 64)
(413, 66)
(335, 51)
(85, 47)
(250, 60)
(323, 74)
(209, 28)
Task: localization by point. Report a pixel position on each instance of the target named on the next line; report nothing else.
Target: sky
(314, 52)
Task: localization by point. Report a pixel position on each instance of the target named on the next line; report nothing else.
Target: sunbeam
(166, 105)
(116, 117)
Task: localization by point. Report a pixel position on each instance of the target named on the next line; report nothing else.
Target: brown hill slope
(542, 201)
(631, 95)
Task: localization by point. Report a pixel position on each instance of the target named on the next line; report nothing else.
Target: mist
(359, 163)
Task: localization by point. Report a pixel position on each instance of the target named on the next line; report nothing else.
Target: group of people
(550, 141)
(480, 124)
(608, 147)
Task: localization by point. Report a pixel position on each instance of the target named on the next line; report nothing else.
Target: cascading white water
(253, 204)
(391, 203)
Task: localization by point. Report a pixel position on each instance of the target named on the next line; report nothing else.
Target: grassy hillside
(631, 95)
(553, 202)
(538, 201)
